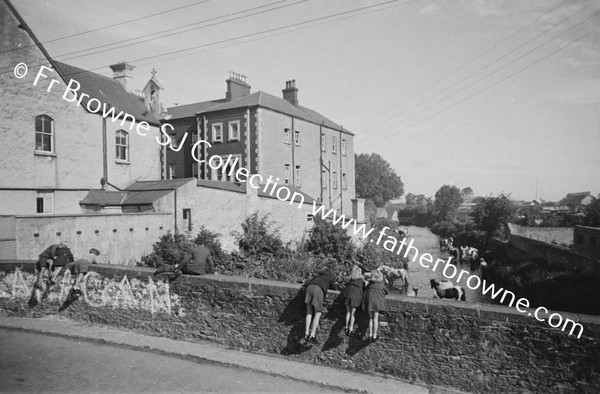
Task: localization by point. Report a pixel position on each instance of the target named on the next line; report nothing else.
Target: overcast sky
(473, 93)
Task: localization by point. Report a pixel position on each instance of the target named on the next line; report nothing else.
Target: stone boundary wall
(472, 347)
(544, 234)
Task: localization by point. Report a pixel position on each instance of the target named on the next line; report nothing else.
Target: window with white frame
(234, 131)
(44, 133)
(297, 140)
(323, 143)
(344, 147)
(286, 178)
(298, 176)
(324, 180)
(217, 132)
(344, 181)
(44, 201)
(172, 171)
(226, 172)
(334, 180)
(334, 144)
(286, 136)
(122, 145)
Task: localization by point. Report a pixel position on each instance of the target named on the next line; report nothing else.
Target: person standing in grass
(352, 297)
(374, 301)
(316, 291)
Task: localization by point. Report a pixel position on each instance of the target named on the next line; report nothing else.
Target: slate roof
(576, 198)
(190, 110)
(107, 90)
(278, 104)
(140, 193)
(307, 199)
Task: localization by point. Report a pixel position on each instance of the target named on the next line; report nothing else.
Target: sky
(502, 96)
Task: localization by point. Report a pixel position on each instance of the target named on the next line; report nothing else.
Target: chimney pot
(122, 73)
(290, 93)
(236, 86)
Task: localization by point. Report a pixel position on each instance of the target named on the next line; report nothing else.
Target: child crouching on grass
(316, 291)
(352, 297)
(374, 301)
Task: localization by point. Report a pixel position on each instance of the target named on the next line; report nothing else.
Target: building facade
(268, 135)
(60, 146)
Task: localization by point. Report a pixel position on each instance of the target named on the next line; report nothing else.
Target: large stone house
(270, 136)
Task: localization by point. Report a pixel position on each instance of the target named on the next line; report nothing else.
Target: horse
(455, 292)
(455, 253)
(444, 243)
(395, 273)
(469, 254)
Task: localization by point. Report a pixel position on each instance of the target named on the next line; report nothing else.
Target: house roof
(307, 199)
(190, 110)
(103, 198)
(278, 104)
(108, 91)
(168, 184)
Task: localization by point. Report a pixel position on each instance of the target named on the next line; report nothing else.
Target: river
(418, 276)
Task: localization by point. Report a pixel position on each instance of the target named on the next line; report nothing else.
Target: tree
(592, 214)
(491, 213)
(466, 192)
(330, 240)
(376, 179)
(447, 201)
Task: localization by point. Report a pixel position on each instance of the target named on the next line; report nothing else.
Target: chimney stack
(122, 73)
(236, 86)
(290, 93)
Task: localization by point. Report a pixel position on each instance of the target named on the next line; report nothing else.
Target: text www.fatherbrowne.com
(283, 193)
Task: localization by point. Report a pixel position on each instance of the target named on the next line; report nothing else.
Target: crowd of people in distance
(366, 290)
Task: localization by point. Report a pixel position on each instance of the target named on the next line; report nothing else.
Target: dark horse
(455, 292)
(446, 243)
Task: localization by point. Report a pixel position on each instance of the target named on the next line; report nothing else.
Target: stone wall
(472, 347)
(122, 239)
(544, 234)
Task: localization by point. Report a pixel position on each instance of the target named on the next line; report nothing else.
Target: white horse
(395, 273)
(456, 292)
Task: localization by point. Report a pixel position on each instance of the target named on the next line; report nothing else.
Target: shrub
(444, 228)
(259, 237)
(171, 248)
(330, 240)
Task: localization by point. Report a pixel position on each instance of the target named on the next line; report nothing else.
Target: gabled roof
(108, 91)
(190, 110)
(168, 184)
(266, 100)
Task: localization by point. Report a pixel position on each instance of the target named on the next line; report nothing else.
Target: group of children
(60, 256)
(366, 290)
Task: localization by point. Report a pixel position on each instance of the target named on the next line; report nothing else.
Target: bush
(259, 237)
(168, 250)
(444, 228)
(330, 240)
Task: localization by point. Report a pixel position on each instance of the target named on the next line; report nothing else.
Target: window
(217, 132)
(187, 219)
(44, 202)
(298, 176)
(44, 133)
(297, 137)
(323, 143)
(324, 180)
(286, 136)
(172, 171)
(195, 169)
(344, 147)
(234, 131)
(334, 144)
(344, 181)
(226, 171)
(286, 179)
(122, 144)
(334, 180)
(173, 142)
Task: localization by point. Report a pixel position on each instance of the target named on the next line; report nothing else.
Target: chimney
(236, 86)
(290, 93)
(122, 73)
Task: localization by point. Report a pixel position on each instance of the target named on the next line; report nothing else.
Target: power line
(495, 83)
(479, 56)
(113, 25)
(42, 60)
(269, 36)
(252, 34)
(414, 106)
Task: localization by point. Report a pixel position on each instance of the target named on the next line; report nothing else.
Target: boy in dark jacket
(316, 291)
